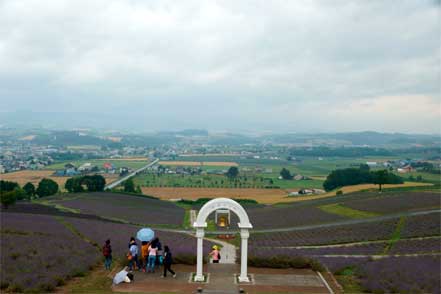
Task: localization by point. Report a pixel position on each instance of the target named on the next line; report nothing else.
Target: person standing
(215, 254)
(168, 262)
(144, 254)
(133, 251)
(159, 257)
(153, 250)
(107, 253)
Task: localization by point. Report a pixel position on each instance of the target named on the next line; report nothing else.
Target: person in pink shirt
(153, 251)
(215, 254)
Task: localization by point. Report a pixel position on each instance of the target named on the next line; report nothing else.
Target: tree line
(94, 183)
(10, 192)
(362, 175)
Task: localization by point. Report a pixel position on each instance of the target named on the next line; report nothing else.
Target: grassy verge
(71, 228)
(349, 281)
(211, 225)
(396, 235)
(57, 206)
(346, 211)
(186, 222)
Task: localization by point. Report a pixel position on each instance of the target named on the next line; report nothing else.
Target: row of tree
(93, 183)
(10, 192)
(362, 175)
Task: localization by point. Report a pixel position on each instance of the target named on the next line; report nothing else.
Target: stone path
(228, 251)
(222, 280)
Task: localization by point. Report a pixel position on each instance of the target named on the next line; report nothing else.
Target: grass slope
(341, 210)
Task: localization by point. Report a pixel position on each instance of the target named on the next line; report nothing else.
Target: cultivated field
(267, 196)
(131, 162)
(356, 188)
(40, 252)
(35, 176)
(128, 208)
(198, 163)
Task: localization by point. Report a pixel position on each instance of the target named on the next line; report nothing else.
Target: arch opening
(244, 225)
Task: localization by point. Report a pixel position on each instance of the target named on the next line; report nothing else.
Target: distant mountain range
(94, 137)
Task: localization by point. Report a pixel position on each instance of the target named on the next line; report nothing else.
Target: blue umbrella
(145, 234)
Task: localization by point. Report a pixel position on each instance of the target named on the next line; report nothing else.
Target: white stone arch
(244, 225)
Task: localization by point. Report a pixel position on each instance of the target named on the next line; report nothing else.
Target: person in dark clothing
(107, 253)
(132, 240)
(168, 262)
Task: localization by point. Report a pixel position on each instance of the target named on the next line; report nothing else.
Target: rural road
(132, 174)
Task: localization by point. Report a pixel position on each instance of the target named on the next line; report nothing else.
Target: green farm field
(220, 181)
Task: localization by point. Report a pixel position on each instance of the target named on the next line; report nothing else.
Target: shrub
(78, 273)
(8, 198)
(189, 259)
(339, 192)
(59, 281)
(46, 287)
(4, 285)
(281, 261)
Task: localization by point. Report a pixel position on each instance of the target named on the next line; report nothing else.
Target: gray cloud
(279, 65)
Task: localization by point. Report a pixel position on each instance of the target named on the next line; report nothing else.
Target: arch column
(244, 235)
(200, 254)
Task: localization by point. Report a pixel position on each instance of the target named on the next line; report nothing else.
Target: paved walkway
(222, 280)
(228, 251)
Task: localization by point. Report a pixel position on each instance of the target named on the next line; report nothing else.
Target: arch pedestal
(244, 226)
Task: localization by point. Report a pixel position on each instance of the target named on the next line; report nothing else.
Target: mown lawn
(341, 210)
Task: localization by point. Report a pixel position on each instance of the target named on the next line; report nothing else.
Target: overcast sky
(298, 66)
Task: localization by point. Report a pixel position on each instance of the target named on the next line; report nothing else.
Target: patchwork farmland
(35, 176)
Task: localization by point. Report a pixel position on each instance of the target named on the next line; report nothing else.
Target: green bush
(189, 259)
(281, 261)
(339, 192)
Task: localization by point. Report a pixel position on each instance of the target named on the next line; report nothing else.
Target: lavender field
(119, 234)
(280, 217)
(422, 225)
(38, 253)
(394, 202)
(134, 209)
(363, 249)
(419, 274)
(432, 245)
(327, 235)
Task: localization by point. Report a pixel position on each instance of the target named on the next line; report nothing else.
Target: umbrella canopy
(145, 234)
(120, 277)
